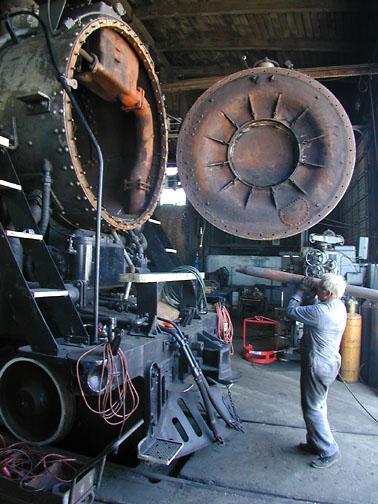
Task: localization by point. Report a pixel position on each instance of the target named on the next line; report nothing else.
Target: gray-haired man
(324, 324)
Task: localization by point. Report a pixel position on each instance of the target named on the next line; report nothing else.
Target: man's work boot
(324, 462)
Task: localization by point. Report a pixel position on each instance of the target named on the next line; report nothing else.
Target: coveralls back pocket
(325, 370)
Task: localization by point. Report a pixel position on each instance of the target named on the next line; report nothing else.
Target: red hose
(225, 326)
(113, 388)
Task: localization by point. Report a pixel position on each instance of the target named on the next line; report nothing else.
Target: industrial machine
(329, 254)
(266, 153)
(84, 147)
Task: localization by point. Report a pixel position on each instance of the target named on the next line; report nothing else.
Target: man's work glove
(309, 285)
(308, 289)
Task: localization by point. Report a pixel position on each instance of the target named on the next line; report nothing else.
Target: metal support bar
(182, 86)
(281, 276)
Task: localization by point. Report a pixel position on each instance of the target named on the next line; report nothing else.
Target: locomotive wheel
(35, 404)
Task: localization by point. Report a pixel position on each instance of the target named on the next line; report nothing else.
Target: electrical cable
(340, 431)
(172, 297)
(357, 400)
(24, 463)
(303, 427)
(62, 79)
(343, 432)
(225, 327)
(114, 386)
(52, 31)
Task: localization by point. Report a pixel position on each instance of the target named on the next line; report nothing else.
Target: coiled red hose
(115, 385)
(225, 326)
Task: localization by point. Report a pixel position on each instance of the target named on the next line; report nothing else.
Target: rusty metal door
(266, 153)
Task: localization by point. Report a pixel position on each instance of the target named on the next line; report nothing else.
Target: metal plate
(266, 153)
(161, 451)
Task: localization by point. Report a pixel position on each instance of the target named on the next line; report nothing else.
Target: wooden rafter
(216, 41)
(317, 73)
(145, 35)
(190, 72)
(184, 8)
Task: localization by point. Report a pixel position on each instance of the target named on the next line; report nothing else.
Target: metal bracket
(136, 184)
(37, 103)
(10, 132)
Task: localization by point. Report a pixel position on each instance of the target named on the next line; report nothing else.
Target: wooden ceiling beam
(134, 21)
(184, 8)
(192, 72)
(223, 41)
(320, 73)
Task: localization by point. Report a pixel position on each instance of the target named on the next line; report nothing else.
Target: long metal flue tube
(281, 276)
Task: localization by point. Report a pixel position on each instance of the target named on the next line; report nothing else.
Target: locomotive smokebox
(113, 79)
(266, 153)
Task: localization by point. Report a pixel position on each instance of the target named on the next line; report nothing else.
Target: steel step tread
(5, 185)
(4, 141)
(161, 451)
(23, 235)
(48, 293)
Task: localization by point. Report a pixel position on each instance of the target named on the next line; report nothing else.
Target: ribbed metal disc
(266, 153)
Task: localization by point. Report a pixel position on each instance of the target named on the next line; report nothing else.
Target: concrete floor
(262, 465)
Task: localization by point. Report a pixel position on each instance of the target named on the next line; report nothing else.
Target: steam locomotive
(83, 133)
(84, 148)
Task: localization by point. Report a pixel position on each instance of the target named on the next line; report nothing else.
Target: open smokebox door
(112, 78)
(131, 132)
(266, 153)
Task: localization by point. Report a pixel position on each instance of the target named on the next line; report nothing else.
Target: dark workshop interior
(170, 173)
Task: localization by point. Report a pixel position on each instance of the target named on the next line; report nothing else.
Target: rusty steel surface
(114, 77)
(123, 104)
(266, 153)
(283, 277)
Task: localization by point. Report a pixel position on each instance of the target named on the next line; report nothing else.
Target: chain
(234, 413)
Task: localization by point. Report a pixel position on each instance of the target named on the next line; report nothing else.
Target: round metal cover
(266, 153)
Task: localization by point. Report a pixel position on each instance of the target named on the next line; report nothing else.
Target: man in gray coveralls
(324, 324)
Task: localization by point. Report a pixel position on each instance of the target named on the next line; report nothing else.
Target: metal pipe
(139, 177)
(198, 376)
(129, 263)
(373, 119)
(100, 180)
(89, 58)
(46, 193)
(281, 276)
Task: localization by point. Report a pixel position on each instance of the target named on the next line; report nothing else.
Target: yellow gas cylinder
(351, 346)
